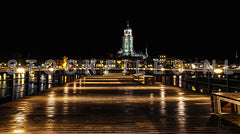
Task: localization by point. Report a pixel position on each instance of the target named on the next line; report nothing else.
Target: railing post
(165, 77)
(170, 78)
(227, 82)
(10, 87)
(209, 81)
(59, 75)
(53, 79)
(63, 78)
(26, 83)
(47, 80)
(177, 80)
(196, 81)
(38, 81)
(185, 80)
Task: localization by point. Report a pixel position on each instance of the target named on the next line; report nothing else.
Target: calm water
(19, 84)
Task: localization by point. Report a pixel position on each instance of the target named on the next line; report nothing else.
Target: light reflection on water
(65, 100)
(51, 105)
(20, 118)
(181, 112)
(19, 85)
(162, 102)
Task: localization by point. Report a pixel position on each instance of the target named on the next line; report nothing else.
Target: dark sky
(95, 32)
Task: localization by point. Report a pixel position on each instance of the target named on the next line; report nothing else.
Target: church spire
(146, 52)
(236, 55)
(127, 23)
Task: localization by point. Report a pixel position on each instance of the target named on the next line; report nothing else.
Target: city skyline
(120, 67)
(197, 34)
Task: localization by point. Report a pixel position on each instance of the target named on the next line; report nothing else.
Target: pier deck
(112, 104)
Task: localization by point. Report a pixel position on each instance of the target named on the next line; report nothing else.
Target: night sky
(203, 32)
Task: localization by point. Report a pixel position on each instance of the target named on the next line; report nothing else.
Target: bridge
(106, 103)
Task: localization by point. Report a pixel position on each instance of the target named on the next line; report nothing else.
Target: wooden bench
(223, 101)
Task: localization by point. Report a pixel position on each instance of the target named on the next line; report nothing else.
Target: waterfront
(112, 103)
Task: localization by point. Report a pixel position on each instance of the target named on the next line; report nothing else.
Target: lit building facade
(127, 45)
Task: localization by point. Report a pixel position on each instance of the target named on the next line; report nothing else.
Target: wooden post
(227, 83)
(47, 81)
(177, 80)
(10, 87)
(53, 80)
(209, 81)
(68, 77)
(63, 78)
(217, 105)
(238, 109)
(26, 83)
(59, 75)
(165, 77)
(170, 78)
(196, 81)
(185, 80)
(38, 81)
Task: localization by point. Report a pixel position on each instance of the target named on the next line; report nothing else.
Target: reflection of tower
(127, 43)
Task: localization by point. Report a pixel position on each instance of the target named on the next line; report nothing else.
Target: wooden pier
(112, 103)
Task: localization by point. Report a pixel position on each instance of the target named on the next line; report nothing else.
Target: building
(127, 45)
(61, 63)
(165, 61)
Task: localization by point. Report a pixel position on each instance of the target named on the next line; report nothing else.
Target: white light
(218, 71)
(105, 72)
(20, 70)
(51, 69)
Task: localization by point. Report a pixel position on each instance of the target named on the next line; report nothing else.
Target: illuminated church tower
(127, 44)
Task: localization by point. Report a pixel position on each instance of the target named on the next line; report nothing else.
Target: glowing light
(151, 95)
(218, 71)
(18, 131)
(20, 70)
(193, 66)
(106, 72)
(180, 69)
(51, 105)
(51, 69)
(193, 88)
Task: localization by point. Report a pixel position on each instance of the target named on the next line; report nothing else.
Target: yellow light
(218, 71)
(20, 70)
(193, 88)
